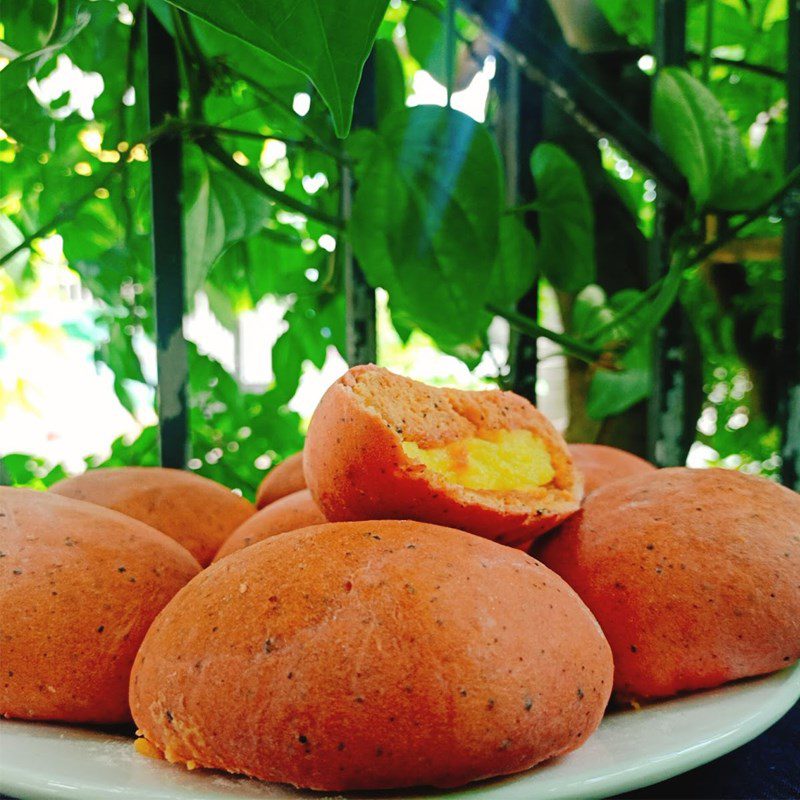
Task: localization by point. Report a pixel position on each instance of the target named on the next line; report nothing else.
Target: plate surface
(631, 749)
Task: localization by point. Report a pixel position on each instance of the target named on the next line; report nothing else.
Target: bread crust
(79, 587)
(601, 464)
(296, 510)
(370, 655)
(356, 468)
(285, 478)
(694, 576)
(197, 512)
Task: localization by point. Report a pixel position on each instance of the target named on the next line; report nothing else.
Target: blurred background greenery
(432, 226)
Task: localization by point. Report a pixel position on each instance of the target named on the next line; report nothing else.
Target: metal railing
(533, 65)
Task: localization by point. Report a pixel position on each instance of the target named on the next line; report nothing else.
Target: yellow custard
(500, 461)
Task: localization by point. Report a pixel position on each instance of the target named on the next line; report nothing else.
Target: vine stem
(212, 148)
(576, 348)
(306, 144)
(709, 248)
(260, 88)
(68, 210)
(701, 254)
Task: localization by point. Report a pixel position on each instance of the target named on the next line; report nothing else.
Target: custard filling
(497, 461)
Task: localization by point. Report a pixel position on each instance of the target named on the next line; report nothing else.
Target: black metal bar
(165, 184)
(790, 405)
(554, 66)
(361, 340)
(668, 425)
(523, 127)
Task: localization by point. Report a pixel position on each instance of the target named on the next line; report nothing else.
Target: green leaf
(126, 452)
(29, 122)
(254, 62)
(612, 392)
(515, 271)
(425, 223)
(118, 354)
(633, 19)
(311, 329)
(590, 310)
(634, 320)
(232, 428)
(328, 42)
(26, 24)
(21, 114)
(566, 220)
(426, 35)
(220, 211)
(264, 264)
(30, 471)
(221, 306)
(93, 231)
(390, 92)
(731, 27)
(705, 146)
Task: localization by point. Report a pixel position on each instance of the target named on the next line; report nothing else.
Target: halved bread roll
(381, 446)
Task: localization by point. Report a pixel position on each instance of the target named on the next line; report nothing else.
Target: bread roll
(371, 655)
(297, 510)
(601, 464)
(79, 587)
(195, 511)
(285, 478)
(694, 575)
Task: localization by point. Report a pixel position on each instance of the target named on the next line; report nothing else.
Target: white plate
(631, 749)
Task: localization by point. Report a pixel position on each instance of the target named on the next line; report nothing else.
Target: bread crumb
(146, 748)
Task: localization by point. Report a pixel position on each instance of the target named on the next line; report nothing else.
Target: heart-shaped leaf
(697, 133)
(425, 223)
(328, 42)
(566, 219)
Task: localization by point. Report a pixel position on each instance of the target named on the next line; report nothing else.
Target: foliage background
(268, 147)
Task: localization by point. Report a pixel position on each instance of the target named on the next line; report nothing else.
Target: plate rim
(653, 772)
(16, 781)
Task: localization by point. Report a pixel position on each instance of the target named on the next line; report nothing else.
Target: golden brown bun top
(372, 654)
(296, 510)
(694, 575)
(433, 416)
(29, 517)
(285, 478)
(601, 464)
(127, 481)
(79, 585)
(195, 511)
(719, 493)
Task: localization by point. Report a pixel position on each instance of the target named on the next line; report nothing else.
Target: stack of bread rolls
(376, 621)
